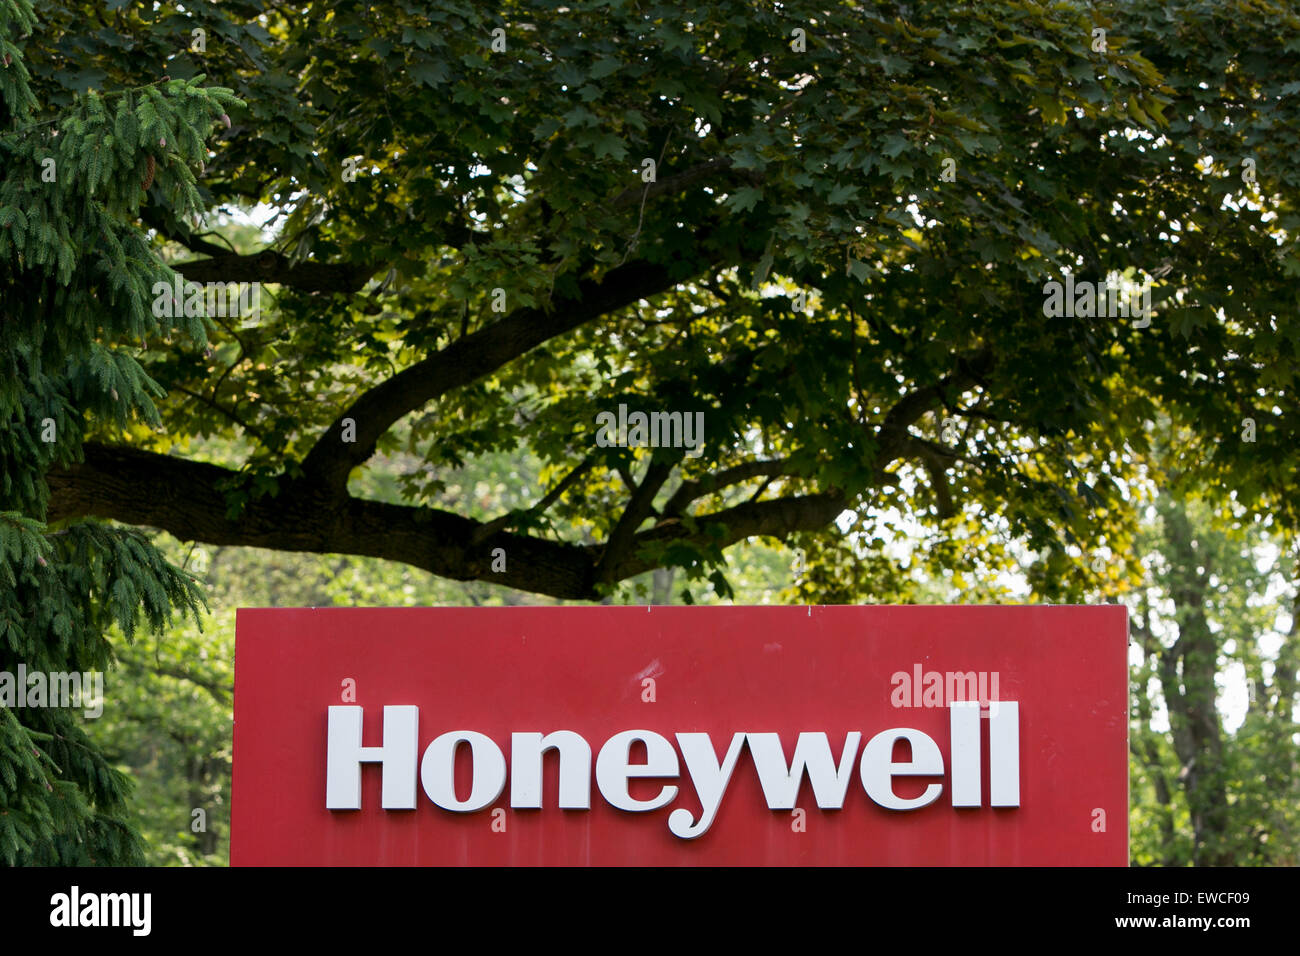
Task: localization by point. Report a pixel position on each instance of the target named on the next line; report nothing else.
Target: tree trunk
(1190, 692)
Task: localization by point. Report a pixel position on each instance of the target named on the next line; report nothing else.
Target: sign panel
(681, 736)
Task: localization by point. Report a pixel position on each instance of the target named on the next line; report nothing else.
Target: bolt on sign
(610, 736)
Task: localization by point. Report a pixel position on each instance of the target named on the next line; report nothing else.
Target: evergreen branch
(22, 130)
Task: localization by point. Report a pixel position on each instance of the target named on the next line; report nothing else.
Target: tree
(830, 231)
(168, 724)
(76, 272)
(499, 224)
(1217, 798)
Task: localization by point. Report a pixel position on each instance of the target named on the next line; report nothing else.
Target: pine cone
(150, 165)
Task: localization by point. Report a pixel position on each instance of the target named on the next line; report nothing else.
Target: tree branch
(893, 432)
(272, 266)
(637, 510)
(189, 500)
(509, 518)
(776, 518)
(691, 490)
(179, 233)
(467, 359)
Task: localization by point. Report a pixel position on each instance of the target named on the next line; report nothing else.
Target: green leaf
(894, 144)
(546, 128)
(745, 198)
(608, 145)
(841, 194)
(428, 72)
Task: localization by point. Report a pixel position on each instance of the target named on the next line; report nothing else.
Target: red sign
(681, 736)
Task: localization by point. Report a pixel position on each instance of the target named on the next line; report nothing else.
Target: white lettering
(345, 755)
(438, 771)
(613, 769)
(708, 777)
(526, 752)
(812, 752)
(879, 769)
(780, 780)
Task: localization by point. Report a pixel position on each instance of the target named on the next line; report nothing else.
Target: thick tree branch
(272, 266)
(189, 500)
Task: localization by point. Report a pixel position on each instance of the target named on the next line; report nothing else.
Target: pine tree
(75, 303)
